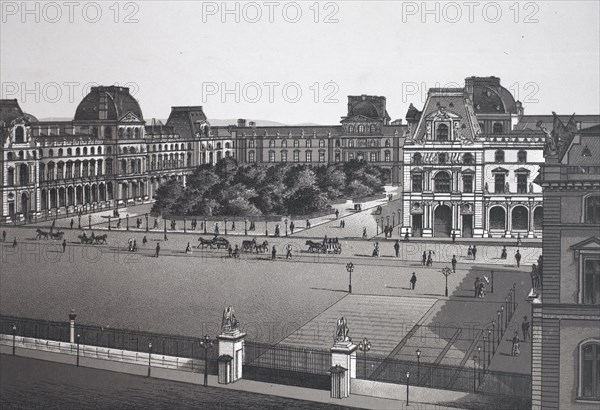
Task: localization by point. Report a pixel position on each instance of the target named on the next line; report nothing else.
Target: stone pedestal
(225, 370)
(72, 317)
(231, 344)
(343, 354)
(339, 384)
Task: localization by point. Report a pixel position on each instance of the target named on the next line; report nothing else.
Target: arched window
(251, 156)
(137, 132)
(129, 132)
(589, 370)
(592, 209)
(60, 152)
(351, 144)
(442, 182)
(442, 132)
(271, 156)
(228, 145)
(497, 218)
(108, 150)
(9, 156)
(499, 156)
(373, 129)
(468, 159)
(77, 152)
(92, 151)
(387, 143)
(69, 152)
(350, 129)
(361, 129)
(522, 156)
(85, 151)
(50, 152)
(387, 156)
(19, 135)
(417, 158)
(498, 128)
(321, 143)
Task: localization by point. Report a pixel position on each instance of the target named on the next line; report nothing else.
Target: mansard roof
(187, 121)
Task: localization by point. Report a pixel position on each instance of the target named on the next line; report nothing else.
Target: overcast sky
(297, 62)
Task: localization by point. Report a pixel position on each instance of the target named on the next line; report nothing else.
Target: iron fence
(113, 338)
(440, 376)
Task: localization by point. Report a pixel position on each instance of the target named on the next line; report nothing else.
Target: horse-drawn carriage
(92, 239)
(249, 246)
(324, 247)
(217, 242)
(57, 236)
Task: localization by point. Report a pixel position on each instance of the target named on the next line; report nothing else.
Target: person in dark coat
(474, 251)
(397, 248)
(406, 236)
(453, 236)
(3, 236)
(454, 263)
(64, 245)
(518, 258)
(413, 281)
(15, 242)
(504, 254)
(292, 226)
(273, 253)
(157, 250)
(424, 260)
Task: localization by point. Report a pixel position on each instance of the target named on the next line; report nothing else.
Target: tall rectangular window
(296, 156)
(521, 183)
(373, 157)
(417, 183)
(283, 156)
(271, 156)
(499, 181)
(308, 156)
(468, 184)
(591, 281)
(322, 156)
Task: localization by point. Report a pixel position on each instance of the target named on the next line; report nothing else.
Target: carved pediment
(130, 117)
(442, 114)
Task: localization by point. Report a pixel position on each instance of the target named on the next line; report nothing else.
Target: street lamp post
(350, 268)
(382, 224)
(109, 222)
(286, 223)
(489, 339)
(478, 364)
(246, 227)
(503, 317)
(185, 225)
(507, 309)
(14, 330)
(474, 372)
(77, 338)
(266, 227)
(484, 347)
(147, 227)
(407, 386)
(492, 290)
(514, 286)
(127, 218)
(90, 222)
(365, 346)
(204, 225)
(149, 358)
(79, 220)
(225, 226)
(393, 218)
(206, 343)
(493, 337)
(418, 365)
(446, 272)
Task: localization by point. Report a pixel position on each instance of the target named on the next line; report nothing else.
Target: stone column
(72, 317)
(231, 349)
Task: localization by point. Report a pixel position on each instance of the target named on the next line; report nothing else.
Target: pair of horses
(93, 239)
(249, 246)
(58, 235)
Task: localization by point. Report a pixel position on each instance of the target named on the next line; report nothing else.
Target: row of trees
(231, 190)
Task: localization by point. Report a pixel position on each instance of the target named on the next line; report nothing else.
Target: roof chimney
(252, 124)
(241, 123)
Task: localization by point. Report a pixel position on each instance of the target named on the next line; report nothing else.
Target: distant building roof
(530, 121)
(187, 121)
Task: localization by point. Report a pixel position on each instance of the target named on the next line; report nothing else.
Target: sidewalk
(428, 396)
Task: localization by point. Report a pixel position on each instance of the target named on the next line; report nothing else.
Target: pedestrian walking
(15, 242)
(376, 250)
(3, 236)
(337, 213)
(307, 224)
(518, 258)
(292, 226)
(476, 287)
(430, 259)
(397, 248)
(519, 241)
(469, 252)
(406, 236)
(157, 249)
(288, 254)
(135, 247)
(413, 281)
(236, 252)
(474, 251)
(188, 248)
(277, 230)
(424, 260)
(165, 237)
(230, 251)
(72, 222)
(155, 224)
(144, 240)
(364, 233)
(516, 348)
(504, 254)
(273, 253)
(525, 328)
(454, 263)
(64, 245)
(453, 236)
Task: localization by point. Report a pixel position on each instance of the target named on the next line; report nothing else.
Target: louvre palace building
(465, 163)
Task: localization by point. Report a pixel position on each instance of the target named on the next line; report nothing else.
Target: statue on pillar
(229, 324)
(341, 332)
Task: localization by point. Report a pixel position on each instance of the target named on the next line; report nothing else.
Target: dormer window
(361, 129)
(19, 135)
(498, 128)
(442, 132)
(373, 129)
(350, 129)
